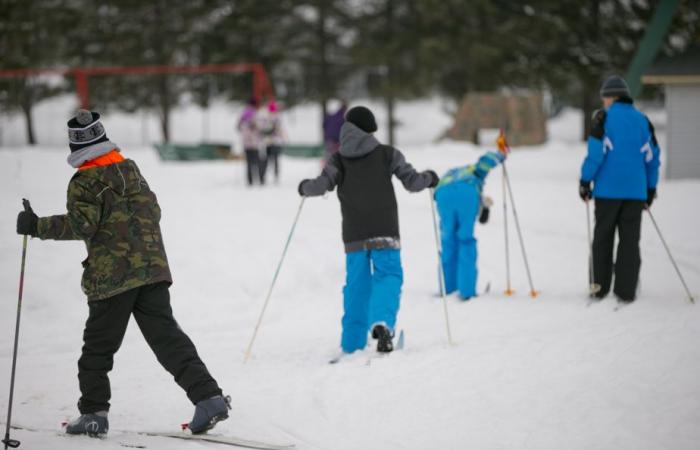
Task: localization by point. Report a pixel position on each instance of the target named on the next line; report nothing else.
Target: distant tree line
(316, 50)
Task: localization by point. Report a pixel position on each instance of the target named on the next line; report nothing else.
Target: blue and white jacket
(623, 155)
(473, 173)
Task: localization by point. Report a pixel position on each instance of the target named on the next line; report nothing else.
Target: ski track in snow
(545, 373)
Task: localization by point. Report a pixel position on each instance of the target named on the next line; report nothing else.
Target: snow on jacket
(112, 209)
(473, 173)
(249, 128)
(363, 170)
(623, 154)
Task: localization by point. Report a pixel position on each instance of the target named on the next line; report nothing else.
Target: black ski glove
(434, 179)
(584, 190)
(27, 221)
(651, 195)
(484, 216)
(486, 203)
(300, 189)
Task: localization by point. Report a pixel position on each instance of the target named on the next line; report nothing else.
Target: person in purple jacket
(331, 130)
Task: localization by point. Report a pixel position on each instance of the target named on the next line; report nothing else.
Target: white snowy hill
(544, 373)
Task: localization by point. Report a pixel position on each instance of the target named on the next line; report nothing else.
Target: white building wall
(682, 158)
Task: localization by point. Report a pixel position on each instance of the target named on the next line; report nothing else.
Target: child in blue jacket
(623, 166)
(363, 170)
(459, 203)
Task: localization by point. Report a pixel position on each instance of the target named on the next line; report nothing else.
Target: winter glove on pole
(27, 220)
(434, 179)
(651, 195)
(584, 190)
(300, 188)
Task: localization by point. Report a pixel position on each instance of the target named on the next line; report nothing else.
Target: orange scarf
(112, 157)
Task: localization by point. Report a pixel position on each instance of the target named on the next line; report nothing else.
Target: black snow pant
(104, 331)
(255, 166)
(625, 216)
(273, 157)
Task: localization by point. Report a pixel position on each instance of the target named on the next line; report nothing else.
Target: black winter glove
(434, 179)
(484, 216)
(486, 203)
(27, 221)
(651, 195)
(584, 190)
(300, 189)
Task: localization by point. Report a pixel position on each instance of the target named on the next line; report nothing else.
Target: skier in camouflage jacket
(112, 209)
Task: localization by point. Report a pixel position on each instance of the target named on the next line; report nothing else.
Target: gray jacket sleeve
(325, 182)
(412, 180)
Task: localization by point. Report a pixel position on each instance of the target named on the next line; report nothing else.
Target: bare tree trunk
(589, 84)
(27, 111)
(389, 88)
(588, 105)
(323, 60)
(164, 97)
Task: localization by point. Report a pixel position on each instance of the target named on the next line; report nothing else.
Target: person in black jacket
(362, 170)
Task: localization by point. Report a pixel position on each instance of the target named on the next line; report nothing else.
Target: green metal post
(650, 44)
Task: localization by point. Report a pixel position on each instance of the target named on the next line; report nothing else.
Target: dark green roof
(686, 63)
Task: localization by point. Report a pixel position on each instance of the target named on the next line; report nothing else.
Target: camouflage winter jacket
(114, 211)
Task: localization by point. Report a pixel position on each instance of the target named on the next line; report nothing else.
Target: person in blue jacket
(363, 170)
(460, 203)
(623, 166)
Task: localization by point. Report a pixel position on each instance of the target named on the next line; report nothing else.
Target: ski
(121, 435)
(218, 439)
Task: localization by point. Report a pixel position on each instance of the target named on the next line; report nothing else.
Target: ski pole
(14, 443)
(509, 291)
(274, 279)
(673, 261)
(533, 292)
(593, 287)
(441, 269)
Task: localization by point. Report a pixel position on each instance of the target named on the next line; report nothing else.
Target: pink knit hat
(272, 106)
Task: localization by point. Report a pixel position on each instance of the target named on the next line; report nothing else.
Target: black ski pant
(273, 157)
(625, 217)
(255, 166)
(104, 331)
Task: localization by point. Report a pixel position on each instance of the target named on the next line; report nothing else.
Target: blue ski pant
(458, 206)
(371, 294)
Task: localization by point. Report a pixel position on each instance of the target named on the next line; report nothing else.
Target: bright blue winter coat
(623, 163)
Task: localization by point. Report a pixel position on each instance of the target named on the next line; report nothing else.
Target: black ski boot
(383, 336)
(208, 412)
(92, 424)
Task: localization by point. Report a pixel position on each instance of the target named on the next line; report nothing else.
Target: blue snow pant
(371, 294)
(458, 205)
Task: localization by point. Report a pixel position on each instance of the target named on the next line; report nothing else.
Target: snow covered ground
(544, 373)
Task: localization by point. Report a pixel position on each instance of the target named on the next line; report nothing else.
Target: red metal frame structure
(261, 83)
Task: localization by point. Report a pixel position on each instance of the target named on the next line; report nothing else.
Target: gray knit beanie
(615, 86)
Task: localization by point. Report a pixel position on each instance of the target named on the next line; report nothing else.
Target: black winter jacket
(362, 170)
